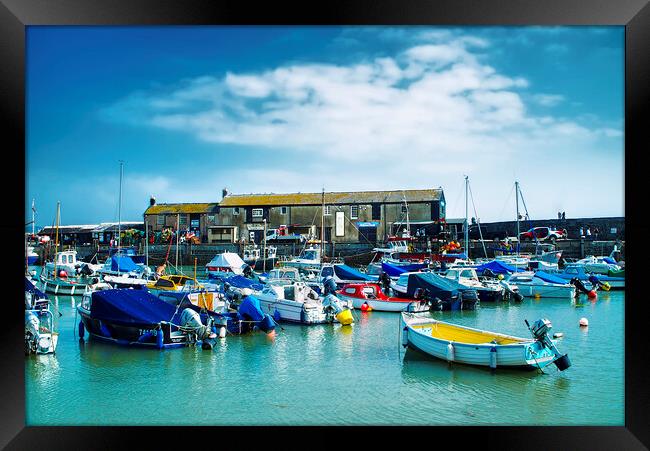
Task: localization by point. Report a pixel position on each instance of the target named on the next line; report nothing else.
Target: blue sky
(192, 110)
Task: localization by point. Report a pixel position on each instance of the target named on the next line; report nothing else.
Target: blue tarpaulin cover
(437, 285)
(546, 277)
(130, 307)
(609, 260)
(396, 270)
(29, 286)
(243, 282)
(250, 307)
(462, 255)
(122, 263)
(497, 267)
(346, 272)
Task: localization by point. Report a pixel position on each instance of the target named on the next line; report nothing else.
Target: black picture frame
(15, 15)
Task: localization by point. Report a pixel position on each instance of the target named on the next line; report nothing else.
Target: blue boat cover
(243, 282)
(609, 260)
(130, 307)
(462, 255)
(437, 285)
(497, 267)
(250, 308)
(346, 272)
(29, 286)
(122, 263)
(546, 277)
(396, 270)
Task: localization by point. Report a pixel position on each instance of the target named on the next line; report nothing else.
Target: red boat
(372, 295)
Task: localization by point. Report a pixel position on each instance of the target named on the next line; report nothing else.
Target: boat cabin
(362, 290)
(66, 258)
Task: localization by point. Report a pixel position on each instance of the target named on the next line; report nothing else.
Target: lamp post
(264, 250)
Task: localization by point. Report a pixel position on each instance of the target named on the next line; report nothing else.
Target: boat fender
(208, 344)
(160, 338)
(563, 362)
(451, 353)
(493, 357)
(592, 294)
(405, 336)
(222, 332)
(82, 330)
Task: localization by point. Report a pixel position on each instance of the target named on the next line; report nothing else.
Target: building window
(160, 220)
(235, 211)
(210, 218)
(258, 213)
(354, 211)
(283, 210)
(404, 209)
(376, 212)
(182, 220)
(327, 210)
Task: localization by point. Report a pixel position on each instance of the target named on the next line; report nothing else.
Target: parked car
(542, 234)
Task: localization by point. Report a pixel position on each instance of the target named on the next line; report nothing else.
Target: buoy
(493, 357)
(82, 330)
(345, 317)
(537, 295)
(592, 294)
(365, 307)
(222, 332)
(160, 338)
(451, 354)
(63, 274)
(500, 277)
(558, 335)
(405, 336)
(584, 322)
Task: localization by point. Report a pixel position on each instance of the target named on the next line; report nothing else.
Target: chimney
(224, 192)
(152, 201)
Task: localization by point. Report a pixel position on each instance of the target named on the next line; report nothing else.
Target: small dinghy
(462, 344)
(371, 295)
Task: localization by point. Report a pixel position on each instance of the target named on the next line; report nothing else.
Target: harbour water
(336, 375)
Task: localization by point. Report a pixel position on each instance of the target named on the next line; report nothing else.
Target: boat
(137, 318)
(32, 256)
(64, 285)
(542, 284)
(175, 288)
(344, 274)
(598, 265)
(615, 280)
(281, 273)
(225, 264)
(40, 336)
(487, 292)
(66, 264)
(461, 344)
(253, 257)
(296, 302)
(443, 293)
(309, 258)
(396, 270)
(372, 296)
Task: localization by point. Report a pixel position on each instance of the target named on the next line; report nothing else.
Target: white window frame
(235, 211)
(352, 215)
(327, 211)
(257, 213)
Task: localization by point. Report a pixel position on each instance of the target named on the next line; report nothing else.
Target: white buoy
(450, 352)
(584, 322)
(558, 335)
(222, 332)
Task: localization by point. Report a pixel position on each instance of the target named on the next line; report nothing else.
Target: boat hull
(525, 355)
(546, 291)
(63, 287)
(387, 306)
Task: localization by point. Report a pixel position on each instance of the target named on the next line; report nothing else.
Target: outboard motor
(329, 285)
(540, 330)
(489, 273)
(191, 319)
(85, 270)
(511, 292)
(250, 310)
(343, 315)
(469, 299)
(596, 283)
(580, 287)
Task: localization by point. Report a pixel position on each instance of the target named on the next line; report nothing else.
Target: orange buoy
(63, 274)
(365, 307)
(592, 294)
(584, 322)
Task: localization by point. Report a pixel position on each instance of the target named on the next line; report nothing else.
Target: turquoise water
(336, 375)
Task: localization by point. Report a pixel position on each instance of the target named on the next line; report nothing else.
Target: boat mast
(322, 229)
(33, 215)
(466, 217)
(56, 240)
(517, 203)
(178, 225)
(119, 213)
(264, 250)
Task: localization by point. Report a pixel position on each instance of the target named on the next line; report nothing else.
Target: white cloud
(415, 119)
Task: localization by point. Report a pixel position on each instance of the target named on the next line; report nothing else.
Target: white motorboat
(297, 302)
(598, 265)
(40, 336)
(487, 292)
(225, 264)
(541, 284)
(309, 258)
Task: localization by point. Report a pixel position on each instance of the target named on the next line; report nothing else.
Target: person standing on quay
(588, 233)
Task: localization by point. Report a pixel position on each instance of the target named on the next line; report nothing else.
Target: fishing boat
(309, 258)
(574, 271)
(138, 318)
(487, 292)
(253, 257)
(225, 264)
(461, 344)
(542, 284)
(443, 293)
(372, 296)
(296, 302)
(40, 336)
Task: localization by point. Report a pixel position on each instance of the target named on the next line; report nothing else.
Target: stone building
(348, 217)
